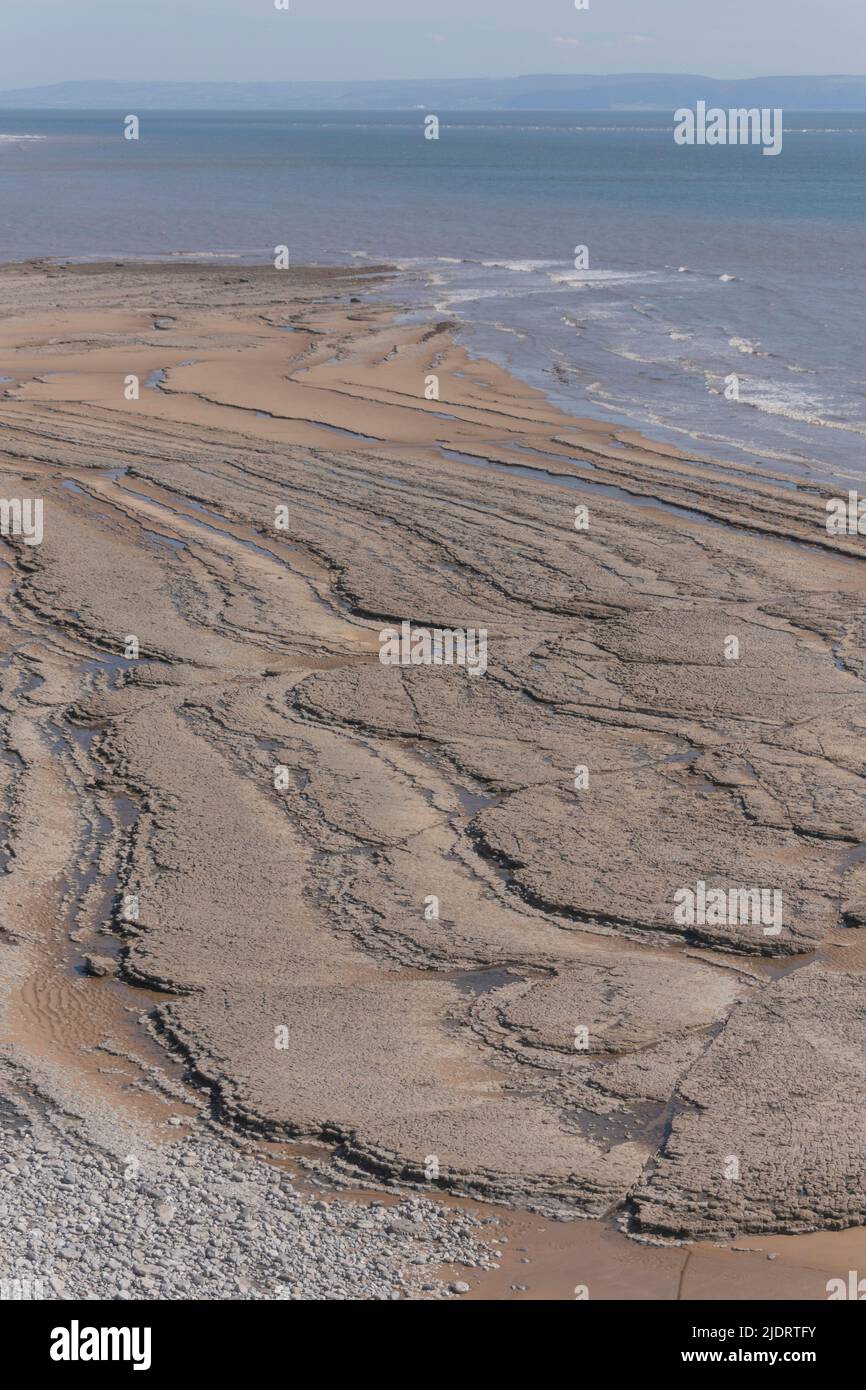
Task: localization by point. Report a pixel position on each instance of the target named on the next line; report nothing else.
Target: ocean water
(703, 262)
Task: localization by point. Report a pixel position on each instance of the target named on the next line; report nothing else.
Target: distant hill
(623, 92)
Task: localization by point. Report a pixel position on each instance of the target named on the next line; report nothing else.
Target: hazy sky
(249, 40)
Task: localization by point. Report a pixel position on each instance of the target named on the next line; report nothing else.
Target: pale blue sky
(249, 40)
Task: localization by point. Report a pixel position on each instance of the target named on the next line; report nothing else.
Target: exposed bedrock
(774, 1135)
(432, 916)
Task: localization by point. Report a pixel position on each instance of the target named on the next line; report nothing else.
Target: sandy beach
(349, 933)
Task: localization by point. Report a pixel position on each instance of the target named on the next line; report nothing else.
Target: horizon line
(375, 81)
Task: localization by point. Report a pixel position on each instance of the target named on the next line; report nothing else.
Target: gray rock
(100, 965)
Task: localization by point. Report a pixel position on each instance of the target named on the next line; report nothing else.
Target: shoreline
(261, 646)
(666, 437)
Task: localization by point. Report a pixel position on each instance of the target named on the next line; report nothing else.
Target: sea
(710, 296)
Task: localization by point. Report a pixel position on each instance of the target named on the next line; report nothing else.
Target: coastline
(647, 332)
(412, 1038)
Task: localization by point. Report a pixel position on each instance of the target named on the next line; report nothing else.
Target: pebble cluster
(216, 1223)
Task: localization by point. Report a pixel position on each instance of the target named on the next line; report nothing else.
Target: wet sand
(419, 1046)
